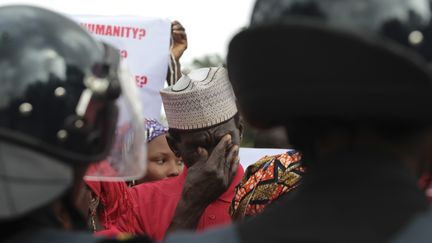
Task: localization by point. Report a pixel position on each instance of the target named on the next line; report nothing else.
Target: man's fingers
(175, 22)
(220, 150)
(179, 32)
(178, 28)
(179, 35)
(232, 161)
(234, 166)
(175, 25)
(224, 142)
(203, 155)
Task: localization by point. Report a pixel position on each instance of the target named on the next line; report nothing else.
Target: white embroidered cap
(200, 99)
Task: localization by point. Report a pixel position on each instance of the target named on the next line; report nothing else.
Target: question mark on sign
(142, 33)
(124, 53)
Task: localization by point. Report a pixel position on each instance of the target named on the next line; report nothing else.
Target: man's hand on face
(211, 175)
(206, 180)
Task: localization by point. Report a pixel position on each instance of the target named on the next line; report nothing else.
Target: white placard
(144, 45)
(249, 156)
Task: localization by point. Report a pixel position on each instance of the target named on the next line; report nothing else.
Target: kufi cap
(200, 99)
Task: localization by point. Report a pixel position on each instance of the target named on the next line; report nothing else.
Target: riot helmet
(59, 99)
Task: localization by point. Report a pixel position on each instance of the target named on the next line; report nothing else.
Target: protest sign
(249, 156)
(144, 45)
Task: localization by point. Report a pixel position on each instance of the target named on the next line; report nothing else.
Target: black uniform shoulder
(418, 230)
(127, 239)
(54, 236)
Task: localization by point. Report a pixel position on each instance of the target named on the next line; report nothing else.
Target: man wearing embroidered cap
(205, 132)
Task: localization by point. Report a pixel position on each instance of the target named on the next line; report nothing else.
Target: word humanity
(115, 30)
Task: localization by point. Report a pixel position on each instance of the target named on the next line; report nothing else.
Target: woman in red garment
(162, 164)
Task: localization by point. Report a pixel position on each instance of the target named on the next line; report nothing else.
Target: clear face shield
(94, 123)
(128, 156)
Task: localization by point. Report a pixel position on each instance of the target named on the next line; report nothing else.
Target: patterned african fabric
(266, 181)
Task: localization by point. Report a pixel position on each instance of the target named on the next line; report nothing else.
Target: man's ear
(173, 144)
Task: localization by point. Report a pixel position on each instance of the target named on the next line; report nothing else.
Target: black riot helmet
(60, 95)
(58, 85)
(334, 59)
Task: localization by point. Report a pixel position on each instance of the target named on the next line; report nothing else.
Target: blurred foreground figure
(58, 112)
(356, 78)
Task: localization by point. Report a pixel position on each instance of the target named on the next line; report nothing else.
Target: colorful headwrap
(154, 129)
(265, 182)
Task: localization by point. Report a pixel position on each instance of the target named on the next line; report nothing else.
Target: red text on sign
(124, 53)
(141, 80)
(115, 30)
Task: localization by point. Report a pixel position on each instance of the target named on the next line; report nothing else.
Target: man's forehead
(198, 134)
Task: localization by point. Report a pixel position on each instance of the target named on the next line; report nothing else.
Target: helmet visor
(127, 159)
